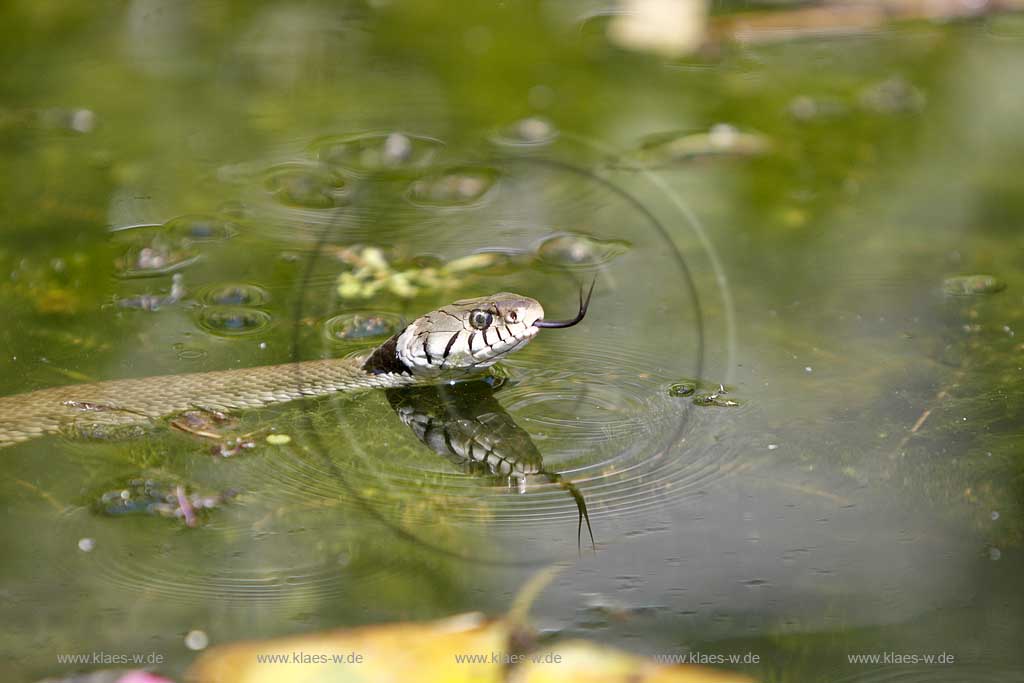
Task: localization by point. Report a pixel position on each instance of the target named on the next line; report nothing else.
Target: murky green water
(193, 187)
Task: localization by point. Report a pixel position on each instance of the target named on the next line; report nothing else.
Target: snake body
(86, 407)
(459, 339)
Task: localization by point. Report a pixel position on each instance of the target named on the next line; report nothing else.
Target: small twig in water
(186, 506)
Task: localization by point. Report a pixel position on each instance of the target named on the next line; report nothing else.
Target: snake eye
(513, 316)
(480, 319)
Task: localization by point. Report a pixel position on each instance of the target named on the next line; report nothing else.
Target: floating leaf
(460, 649)
(715, 398)
(492, 262)
(157, 498)
(676, 147)
(892, 96)
(392, 652)
(972, 285)
(154, 302)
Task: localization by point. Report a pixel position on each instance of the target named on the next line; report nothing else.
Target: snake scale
(459, 339)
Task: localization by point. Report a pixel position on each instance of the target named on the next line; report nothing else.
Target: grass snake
(457, 340)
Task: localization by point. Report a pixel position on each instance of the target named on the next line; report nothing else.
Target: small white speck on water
(262, 345)
(196, 640)
(995, 515)
(808, 369)
(988, 453)
(86, 545)
(772, 446)
(278, 439)
(965, 419)
(994, 554)
(83, 120)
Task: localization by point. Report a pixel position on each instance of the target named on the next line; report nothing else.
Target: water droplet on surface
(377, 152)
(454, 187)
(197, 640)
(533, 131)
(236, 294)
(309, 186)
(188, 353)
(682, 389)
(231, 321)
(573, 250)
(78, 120)
(358, 327)
(152, 252)
(199, 228)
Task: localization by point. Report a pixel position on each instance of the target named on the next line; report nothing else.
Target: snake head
(467, 336)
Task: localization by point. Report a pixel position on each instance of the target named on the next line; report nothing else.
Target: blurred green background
(819, 517)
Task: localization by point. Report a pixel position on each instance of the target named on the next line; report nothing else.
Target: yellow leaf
(466, 648)
(390, 653)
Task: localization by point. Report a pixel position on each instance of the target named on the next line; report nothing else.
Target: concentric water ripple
(598, 412)
(444, 202)
(601, 420)
(277, 561)
(592, 403)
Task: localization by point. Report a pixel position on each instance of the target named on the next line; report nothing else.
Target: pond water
(794, 410)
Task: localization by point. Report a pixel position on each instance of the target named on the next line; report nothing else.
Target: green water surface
(862, 496)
